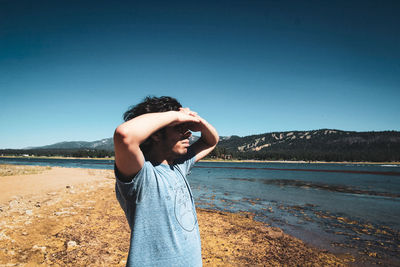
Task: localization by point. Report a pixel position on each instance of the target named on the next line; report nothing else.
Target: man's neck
(160, 158)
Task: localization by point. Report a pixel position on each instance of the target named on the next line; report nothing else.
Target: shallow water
(338, 207)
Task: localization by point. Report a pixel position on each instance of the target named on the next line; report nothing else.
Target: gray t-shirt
(160, 210)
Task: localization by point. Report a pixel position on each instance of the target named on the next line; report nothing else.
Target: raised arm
(128, 137)
(208, 140)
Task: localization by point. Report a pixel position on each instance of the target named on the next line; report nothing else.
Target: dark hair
(152, 104)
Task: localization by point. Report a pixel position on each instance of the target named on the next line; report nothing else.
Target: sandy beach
(70, 217)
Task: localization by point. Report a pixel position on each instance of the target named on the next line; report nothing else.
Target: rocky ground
(79, 223)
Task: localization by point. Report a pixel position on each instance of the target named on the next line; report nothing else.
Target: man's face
(176, 139)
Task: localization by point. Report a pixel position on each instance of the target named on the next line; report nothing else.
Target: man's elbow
(215, 140)
(121, 136)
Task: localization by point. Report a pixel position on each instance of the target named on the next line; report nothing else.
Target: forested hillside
(323, 145)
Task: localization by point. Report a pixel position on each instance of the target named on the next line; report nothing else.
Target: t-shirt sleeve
(134, 190)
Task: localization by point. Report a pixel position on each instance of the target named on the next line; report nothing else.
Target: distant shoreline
(303, 161)
(234, 160)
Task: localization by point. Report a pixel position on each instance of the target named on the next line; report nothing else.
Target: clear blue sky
(69, 69)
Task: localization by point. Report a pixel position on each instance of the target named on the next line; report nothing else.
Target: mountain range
(324, 138)
(324, 144)
(264, 141)
(103, 144)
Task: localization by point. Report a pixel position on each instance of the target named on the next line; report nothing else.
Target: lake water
(343, 208)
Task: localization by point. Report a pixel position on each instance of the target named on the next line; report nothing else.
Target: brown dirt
(78, 222)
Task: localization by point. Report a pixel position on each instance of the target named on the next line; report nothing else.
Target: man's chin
(181, 152)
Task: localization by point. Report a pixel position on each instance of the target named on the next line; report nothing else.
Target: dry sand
(70, 217)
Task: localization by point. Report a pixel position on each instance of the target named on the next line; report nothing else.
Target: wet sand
(70, 217)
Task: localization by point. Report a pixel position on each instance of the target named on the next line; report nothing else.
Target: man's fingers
(184, 117)
(184, 110)
(189, 112)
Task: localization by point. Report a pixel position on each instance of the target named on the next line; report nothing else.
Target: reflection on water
(321, 186)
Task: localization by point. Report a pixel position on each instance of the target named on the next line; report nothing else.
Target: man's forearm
(208, 133)
(138, 129)
(142, 127)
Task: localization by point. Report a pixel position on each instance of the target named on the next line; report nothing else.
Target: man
(152, 160)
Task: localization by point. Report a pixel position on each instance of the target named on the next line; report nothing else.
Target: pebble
(29, 212)
(3, 236)
(11, 264)
(71, 244)
(59, 213)
(13, 203)
(11, 252)
(36, 247)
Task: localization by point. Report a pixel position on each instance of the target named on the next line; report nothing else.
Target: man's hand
(185, 115)
(209, 136)
(196, 122)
